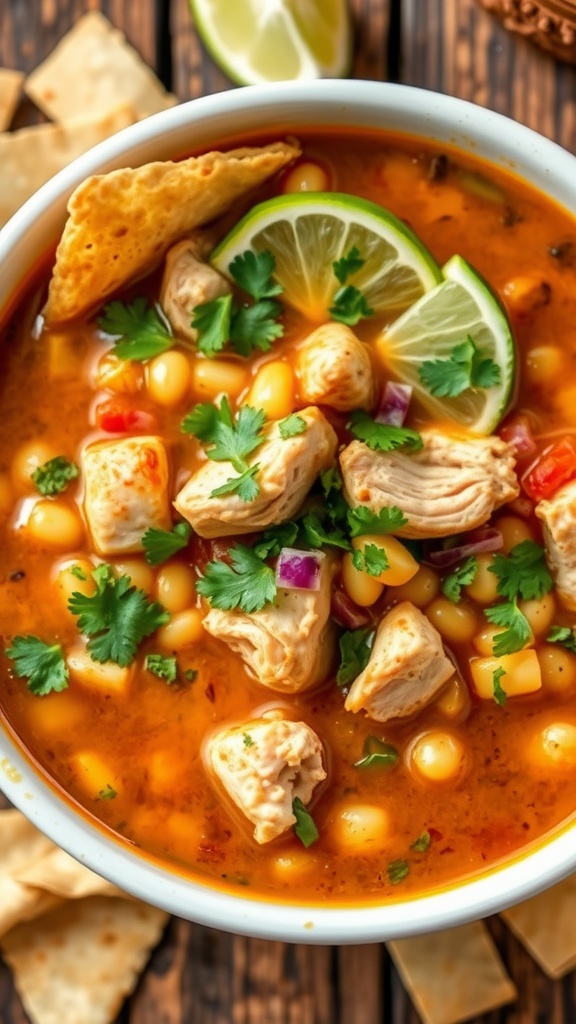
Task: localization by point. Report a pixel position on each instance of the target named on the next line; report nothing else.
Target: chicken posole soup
(288, 497)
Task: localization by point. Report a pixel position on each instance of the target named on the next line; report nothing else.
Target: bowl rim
(476, 130)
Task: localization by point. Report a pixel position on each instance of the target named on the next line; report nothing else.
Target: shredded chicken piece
(263, 766)
(287, 470)
(406, 669)
(334, 369)
(452, 485)
(558, 516)
(289, 645)
(126, 492)
(189, 281)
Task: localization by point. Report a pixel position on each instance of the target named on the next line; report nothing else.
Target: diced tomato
(517, 432)
(119, 417)
(555, 467)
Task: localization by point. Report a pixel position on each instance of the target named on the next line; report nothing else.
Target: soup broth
(471, 779)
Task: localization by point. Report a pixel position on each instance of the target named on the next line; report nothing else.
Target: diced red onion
(299, 570)
(347, 613)
(517, 432)
(482, 541)
(394, 405)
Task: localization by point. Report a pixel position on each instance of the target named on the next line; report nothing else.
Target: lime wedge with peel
(307, 232)
(276, 40)
(463, 306)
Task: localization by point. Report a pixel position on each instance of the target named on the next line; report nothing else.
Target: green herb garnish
(377, 754)
(229, 440)
(41, 664)
(304, 828)
(54, 476)
(291, 426)
(383, 437)
(164, 666)
(467, 367)
(500, 695)
(362, 519)
(248, 584)
(142, 330)
(355, 647)
(461, 577)
(160, 545)
(397, 871)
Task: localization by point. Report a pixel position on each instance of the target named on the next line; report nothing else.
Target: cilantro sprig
(229, 440)
(383, 437)
(349, 305)
(141, 330)
(467, 366)
(160, 545)
(53, 477)
(500, 695)
(461, 577)
(116, 617)
(41, 664)
(305, 827)
(163, 666)
(362, 519)
(355, 647)
(248, 583)
(370, 559)
(522, 575)
(563, 635)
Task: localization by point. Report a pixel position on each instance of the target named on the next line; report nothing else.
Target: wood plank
(456, 47)
(371, 22)
(194, 73)
(360, 983)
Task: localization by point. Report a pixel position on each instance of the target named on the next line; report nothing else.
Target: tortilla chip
(453, 975)
(545, 927)
(122, 223)
(35, 875)
(79, 962)
(31, 156)
(92, 70)
(10, 86)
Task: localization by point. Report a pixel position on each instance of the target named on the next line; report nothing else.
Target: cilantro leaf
(370, 559)
(107, 793)
(41, 664)
(116, 617)
(78, 572)
(383, 437)
(229, 440)
(244, 485)
(335, 504)
(348, 264)
(54, 476)
(355, 647)
(160, 545)
(563, 635)
(291, 426)
(256, 327)
(362, 519)
(422, 843)
(247, 584)
(461, 577)
(275, 538)
(316, 535)
(304, 828)
(397, 871)
(349, 306)
(377, 754)
(253, 273)
(523, 572)
(142, 330)
(164, 666)
(516, 628)
(500, 695)
(212, 320)
(467, 367)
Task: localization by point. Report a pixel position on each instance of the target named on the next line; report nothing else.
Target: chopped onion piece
(394, 405)
(346, 612)
(299, 570)
(482, 541)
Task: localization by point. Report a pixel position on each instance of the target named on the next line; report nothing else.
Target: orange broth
(151, 738)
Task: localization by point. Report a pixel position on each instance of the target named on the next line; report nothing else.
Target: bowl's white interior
(204, 123)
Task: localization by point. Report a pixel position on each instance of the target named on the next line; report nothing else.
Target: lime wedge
(307, 231)
(276, 40)
(462, 305)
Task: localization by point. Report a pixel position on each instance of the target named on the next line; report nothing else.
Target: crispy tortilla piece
(545, 927)
(80, 961)
(30, 156)
(92, 70)
(453, 975)
(10, 86)
(121, 224)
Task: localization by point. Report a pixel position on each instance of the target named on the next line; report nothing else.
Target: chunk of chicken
(407, 667)
(189, 281)
(452, 485)
(559, 524)
(289, 645)
(287, 470)
(263, 766)
(334, 369)
(126, 492)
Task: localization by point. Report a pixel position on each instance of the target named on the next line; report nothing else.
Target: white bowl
(205, 123)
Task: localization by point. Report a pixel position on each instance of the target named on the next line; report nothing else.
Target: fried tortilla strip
(91, 71)
(545, 927)
(121, 224)
(10, 86)
(30, 156)
(80, 961)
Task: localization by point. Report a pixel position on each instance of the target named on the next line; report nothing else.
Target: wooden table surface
(198, 975)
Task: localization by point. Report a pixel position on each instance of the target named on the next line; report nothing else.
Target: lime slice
(307, 231)
(463, 304)
(276, 40)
